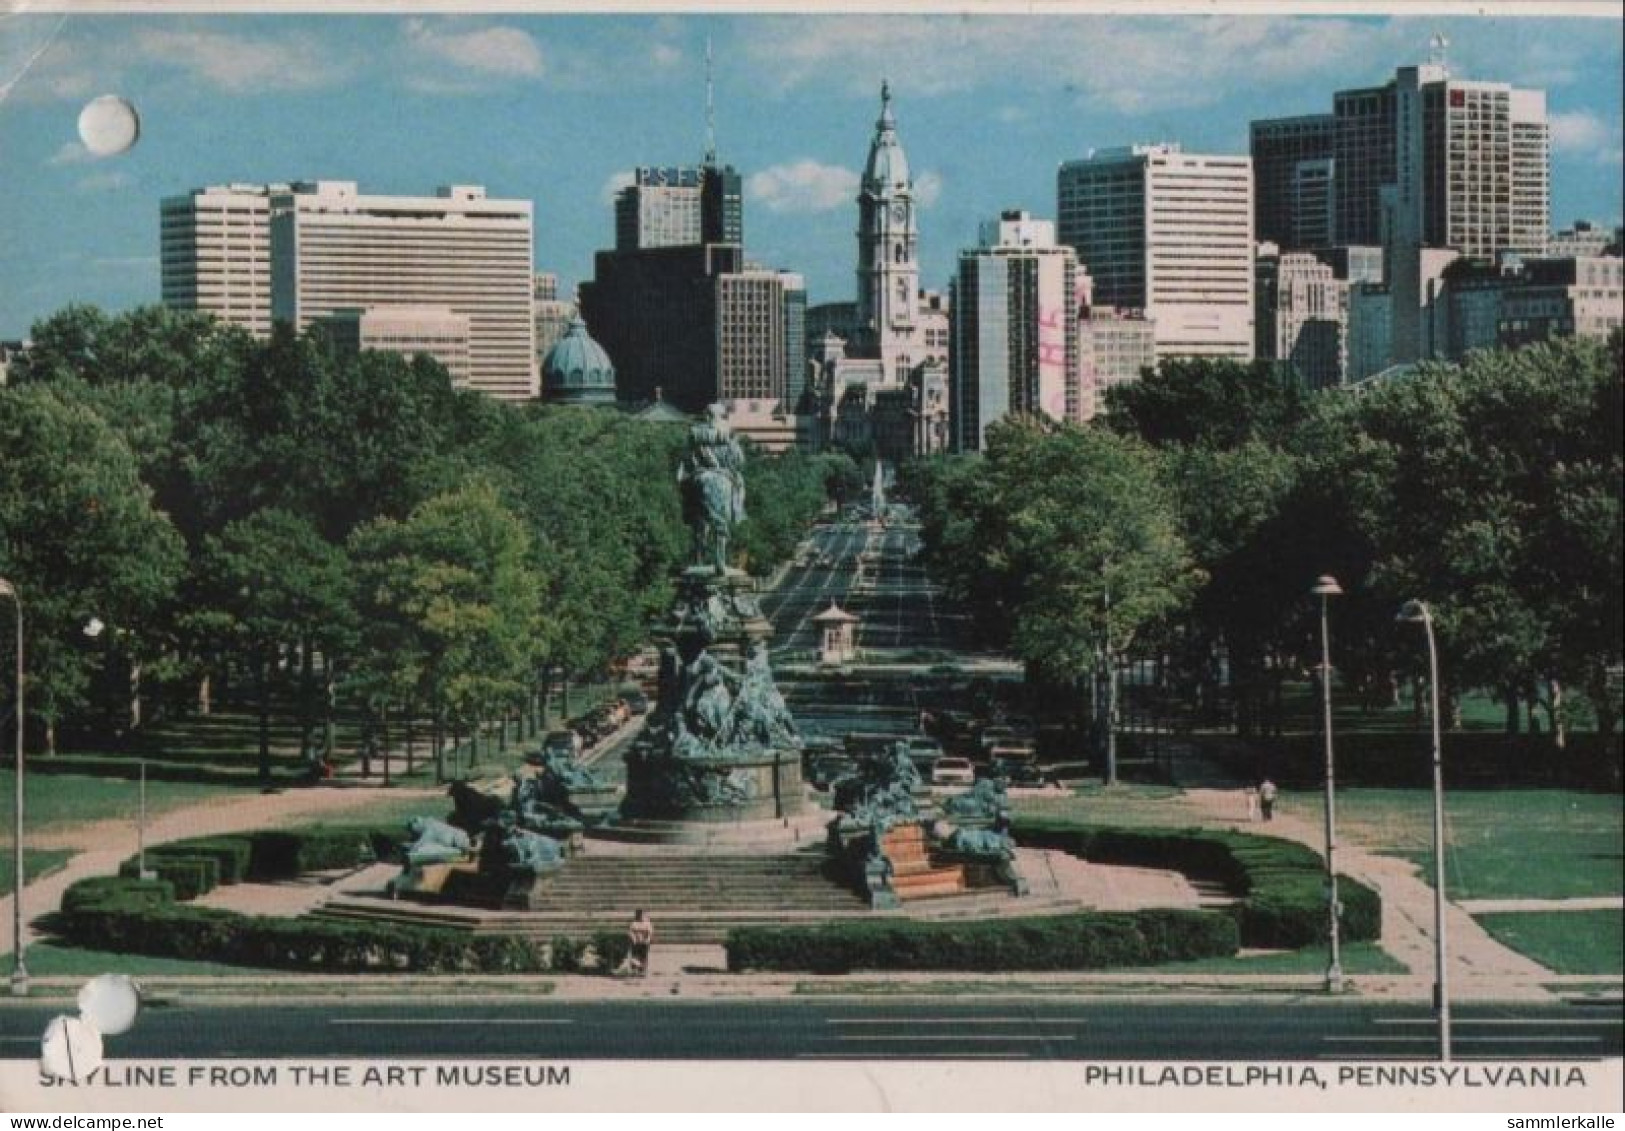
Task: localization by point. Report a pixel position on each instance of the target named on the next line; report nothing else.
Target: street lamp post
(1325, 588)
(1417, 612)
(19, 964)
(94, 627)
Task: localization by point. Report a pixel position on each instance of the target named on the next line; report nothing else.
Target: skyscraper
(215, 253)
(1279, 148)
(679, 206)
(1363, 157)
(1169, 233)
(757, 316)
(333, 249)
(1470, 176)
(300, 252)
(1015, 329)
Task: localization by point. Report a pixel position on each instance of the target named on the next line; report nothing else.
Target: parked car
(953, 771)
(1017, 773)
(1014, 750)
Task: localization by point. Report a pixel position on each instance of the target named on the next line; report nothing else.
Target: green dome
(577, 370)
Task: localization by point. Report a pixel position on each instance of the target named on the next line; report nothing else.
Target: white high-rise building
(215, 253)
(1471, 176)
(334, 249)
(1015, 329)
(1171, 234)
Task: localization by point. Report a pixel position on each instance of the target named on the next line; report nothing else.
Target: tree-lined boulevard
(353, 556)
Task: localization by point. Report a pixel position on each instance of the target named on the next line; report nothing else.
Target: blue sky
(554, 108)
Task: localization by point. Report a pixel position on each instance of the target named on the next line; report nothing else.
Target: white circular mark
(110, 1003)
(109, 125)
(71, 1049)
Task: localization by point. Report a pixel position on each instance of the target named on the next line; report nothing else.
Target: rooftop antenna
(1439, 51)
(710, 111)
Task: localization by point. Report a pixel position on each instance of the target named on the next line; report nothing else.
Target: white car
(953, 771)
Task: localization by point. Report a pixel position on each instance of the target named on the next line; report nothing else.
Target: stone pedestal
(720, 747)
(713, 791)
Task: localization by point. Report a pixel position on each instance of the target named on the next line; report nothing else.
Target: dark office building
(655, 312)
(1279, 147)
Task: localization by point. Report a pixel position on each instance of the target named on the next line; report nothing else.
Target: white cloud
(613, 184)
(241, 64)
(928, 188)
(1133, 66)
(803, 186)
(71, 153)
(1580, 131)
(500, 51)
(103, 182)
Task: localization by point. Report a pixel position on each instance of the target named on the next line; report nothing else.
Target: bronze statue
(713, 478)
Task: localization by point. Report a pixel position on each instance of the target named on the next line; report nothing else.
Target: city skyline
(558, 110)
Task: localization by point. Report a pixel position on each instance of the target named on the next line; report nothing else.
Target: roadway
(872, 574)
(1039, 1027)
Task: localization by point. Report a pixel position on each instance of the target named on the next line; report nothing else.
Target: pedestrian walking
(641, 935)
(1266, 798)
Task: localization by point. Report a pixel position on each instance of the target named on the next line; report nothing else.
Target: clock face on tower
(899, 212)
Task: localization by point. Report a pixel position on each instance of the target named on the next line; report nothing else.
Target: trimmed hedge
(280, 854)
(1280, 884)
(136, 917)
(190, 876)
(1086, 941)
(117, 891)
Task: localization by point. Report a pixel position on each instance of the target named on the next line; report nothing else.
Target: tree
(1069, 536)
(275, 586)
(1209, 402)
(79, 538)
(450, 606)
(1094, 535)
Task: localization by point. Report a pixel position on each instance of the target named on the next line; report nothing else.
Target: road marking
(1013, 1054)
(1379, 1038)
(951, 1037)
(450, 1021)
(1458, 1022)
(937, 1020)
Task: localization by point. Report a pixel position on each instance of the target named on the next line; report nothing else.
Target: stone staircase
(914, 874)
(692, 899)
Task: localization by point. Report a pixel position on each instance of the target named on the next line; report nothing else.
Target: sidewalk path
(102, 846)
(1578, 903)
(1408, 902)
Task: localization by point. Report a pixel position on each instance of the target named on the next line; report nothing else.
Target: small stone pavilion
(838, 630)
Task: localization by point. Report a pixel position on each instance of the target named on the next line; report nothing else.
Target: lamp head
(1326, 586)
(1413, 611)
(94, 627)
(7, 588)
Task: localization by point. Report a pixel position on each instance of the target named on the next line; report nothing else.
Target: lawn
(1567, 942)
(1355, 958)
(37, 862)
(57, 801)
(1500, 844)
(47, 959)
